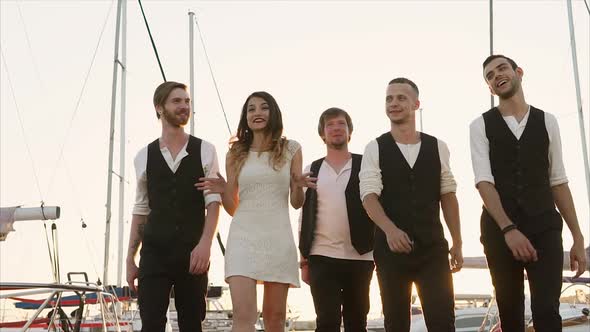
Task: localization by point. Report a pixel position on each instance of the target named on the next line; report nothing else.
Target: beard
(173, 119)
(338, 145)
(514, 86)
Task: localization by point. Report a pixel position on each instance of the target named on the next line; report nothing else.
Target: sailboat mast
(491, 12)
(123, 141)
(191, 39)
(111, 146)
(579, 97)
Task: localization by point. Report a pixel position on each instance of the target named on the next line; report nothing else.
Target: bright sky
(309, 55)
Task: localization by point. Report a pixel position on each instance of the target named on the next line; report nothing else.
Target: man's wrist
(508, 228)
(578, 238)
(303, 263)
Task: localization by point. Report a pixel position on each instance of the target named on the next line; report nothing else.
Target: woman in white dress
(264, 169)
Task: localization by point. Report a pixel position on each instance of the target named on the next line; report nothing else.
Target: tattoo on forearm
(135, 245)
(140, 230)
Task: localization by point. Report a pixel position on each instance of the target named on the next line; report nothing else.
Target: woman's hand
(304, 180)
(212, 185)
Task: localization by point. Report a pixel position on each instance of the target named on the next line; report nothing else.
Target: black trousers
(340, 291)
(428, 268)
(189, 298)
(544, 275)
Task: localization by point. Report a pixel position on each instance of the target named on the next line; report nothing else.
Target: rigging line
(219, 241)
(56, 251)
(48, 247)
(212, 75)
(68, 130)
(30, 48)
(587, 8)
(22, 127)
(152, 40)
(90, 250)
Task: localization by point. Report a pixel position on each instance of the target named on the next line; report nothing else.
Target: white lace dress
(260, 243)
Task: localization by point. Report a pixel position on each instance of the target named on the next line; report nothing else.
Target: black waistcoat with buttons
(362, 229)
(520, 166)
(411, 195)
(176, 220)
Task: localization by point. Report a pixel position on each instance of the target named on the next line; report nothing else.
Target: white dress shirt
(370, 174)
(332, 231)
(208, 160)
(480, 148)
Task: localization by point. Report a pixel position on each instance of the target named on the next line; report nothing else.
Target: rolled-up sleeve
(480, 152)
(447, 180)
(210, 169)
(370, 173)
(557, 173)
(141, 206)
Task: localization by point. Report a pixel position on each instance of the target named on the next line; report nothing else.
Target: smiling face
(257, 114)
(503, 80)
(401, 103)
(177, 108)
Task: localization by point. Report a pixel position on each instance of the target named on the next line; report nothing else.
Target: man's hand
(305, 273)
(132, 274)
(398, 241)
(521, 247)
(200, 258)
(578, 258)
(456, 260)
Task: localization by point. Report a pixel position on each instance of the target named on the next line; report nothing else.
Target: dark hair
(330, 113)
(163, 91)
(240, 144)
(403, 80)
(499, 56)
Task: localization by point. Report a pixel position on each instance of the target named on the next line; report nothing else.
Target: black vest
(177, 217)
(362, 229)
(520, 167)
(411, 196)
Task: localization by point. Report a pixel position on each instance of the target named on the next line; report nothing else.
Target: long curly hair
(240, 144)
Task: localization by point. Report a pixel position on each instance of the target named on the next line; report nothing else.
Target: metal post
(191, 33)
(579, 97)
(492, 104)
(122, 144)
(111, 143)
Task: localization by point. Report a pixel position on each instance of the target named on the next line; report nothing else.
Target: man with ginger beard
(405, 179)
(336, 237)
(172, 220)
(519, 173)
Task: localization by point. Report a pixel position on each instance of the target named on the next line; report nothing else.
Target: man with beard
(336, 238)
(519, 173)
(405, 177)
(172, 220)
